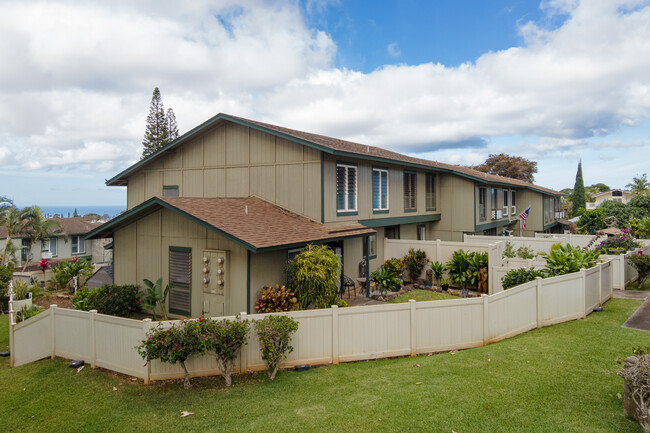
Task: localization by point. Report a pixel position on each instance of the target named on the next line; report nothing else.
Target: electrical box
(214, 280)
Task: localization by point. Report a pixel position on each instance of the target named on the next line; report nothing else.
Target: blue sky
(554, 81)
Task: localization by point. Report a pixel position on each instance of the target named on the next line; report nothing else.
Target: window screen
(180, 275)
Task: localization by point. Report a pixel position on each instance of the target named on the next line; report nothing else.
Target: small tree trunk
(186, 382)
(274, 371)
(225, 367)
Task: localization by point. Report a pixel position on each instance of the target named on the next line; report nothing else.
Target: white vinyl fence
(536, 244)
(326, 336)
(442, 251)
(624, 272)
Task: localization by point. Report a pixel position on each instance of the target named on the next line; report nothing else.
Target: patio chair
(347, 283)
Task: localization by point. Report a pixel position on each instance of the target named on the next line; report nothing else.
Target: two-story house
(219, 211)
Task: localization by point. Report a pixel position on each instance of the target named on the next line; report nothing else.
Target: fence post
(12, 325)
(93, 339)
(611, 278)
(413, 327)
(600, 283)
(53, 329)
(146, 325)
(486, 323)
(243, 355)
(335, 334)
(540, 302)
(438, 246)
(583, 289)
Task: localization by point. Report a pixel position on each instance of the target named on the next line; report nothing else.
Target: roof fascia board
(315, 241)
(381, 222)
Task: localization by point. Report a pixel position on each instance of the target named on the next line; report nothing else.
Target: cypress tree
(172, 128)
(156, 134)
(578, 197)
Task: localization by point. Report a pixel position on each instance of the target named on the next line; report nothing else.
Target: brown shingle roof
(71, 226)
(252, 221)
(332, 145)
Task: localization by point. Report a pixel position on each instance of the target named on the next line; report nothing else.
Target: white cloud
(393, 50)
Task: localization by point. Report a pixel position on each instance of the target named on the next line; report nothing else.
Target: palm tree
(14, 220)
(38, 228)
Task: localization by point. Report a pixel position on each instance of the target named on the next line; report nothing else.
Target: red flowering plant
(174, 345)
(225, 338)
(44, 265)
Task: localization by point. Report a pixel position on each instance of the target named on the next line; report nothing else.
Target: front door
(215, 282)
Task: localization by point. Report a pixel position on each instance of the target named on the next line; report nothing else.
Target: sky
(556, 81)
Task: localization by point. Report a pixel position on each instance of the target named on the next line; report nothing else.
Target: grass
(422, 295)
(555, 379)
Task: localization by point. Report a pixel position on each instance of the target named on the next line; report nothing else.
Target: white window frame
(381, 171)
(80, 241)
(513, 202)
(505, 202)
(410, 194)
(346, 190)
(49, 242)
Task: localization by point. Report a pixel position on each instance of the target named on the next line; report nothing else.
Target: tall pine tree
(172, 128)
(156, 134)
(578, 198)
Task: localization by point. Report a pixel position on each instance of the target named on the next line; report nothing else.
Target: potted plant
(438, 269)
(444, 283)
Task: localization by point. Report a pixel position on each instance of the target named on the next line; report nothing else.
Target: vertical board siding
(329, 335)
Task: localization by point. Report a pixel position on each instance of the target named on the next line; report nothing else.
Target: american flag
(524, 218)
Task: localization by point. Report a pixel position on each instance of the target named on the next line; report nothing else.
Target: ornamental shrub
(274, 335)
(641, 263)
(525, 253)
(174, 345)
(386, 280)
(565, 259)
(276, 299)
(122, 301)
(619, 244)
(225, 338)
(312, 276)
(415, 261)
(640, 228)
(65, 271)
(394, 265)
(515, 277)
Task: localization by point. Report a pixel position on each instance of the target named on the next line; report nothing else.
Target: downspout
(248, 281)
(366, 240)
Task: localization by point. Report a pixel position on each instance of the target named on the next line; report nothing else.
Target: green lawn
(556, 379)
(422, 295)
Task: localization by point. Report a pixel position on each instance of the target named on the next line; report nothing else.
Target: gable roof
(71, 226)
(332, 146)
(251, 222)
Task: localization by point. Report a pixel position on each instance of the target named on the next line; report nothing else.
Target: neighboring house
(619, 195)
(57, 248)
(219, 211)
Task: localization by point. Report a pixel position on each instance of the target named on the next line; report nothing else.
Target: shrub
(394, 265)
(156, 297)
(312, 276)
(619, 244)
(565, 259)
(525, 253)
(592, 221)
(21, 290)
(516, 277)
(274, 334)
(635, 370)
(415, 261)
(464, 267)
(640, 228)
(225, 338)
(276, 299)
(438, 269)
(385, 279)
(64, 272)
(641, 263)
(343, 303)
(509, 250)
(122, 301)
(26, 313)
(174, 345)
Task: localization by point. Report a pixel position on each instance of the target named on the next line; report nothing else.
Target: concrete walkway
(641, 317)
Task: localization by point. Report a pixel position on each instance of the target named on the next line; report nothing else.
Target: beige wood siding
(231, 160)
(267, 269)
(124, 255)
(455, 200)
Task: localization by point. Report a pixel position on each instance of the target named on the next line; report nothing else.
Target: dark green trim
(303, 244)
(322, 187)
(410, 210)
(248, 282)
(380, 222)
(500, 223)
(347, 213)
(170, 187)
(373, 256)
(108, 246)
(380, 211)
(366, 241)
(352, 164)
(181, 249)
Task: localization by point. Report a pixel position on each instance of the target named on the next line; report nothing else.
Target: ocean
(68, 211)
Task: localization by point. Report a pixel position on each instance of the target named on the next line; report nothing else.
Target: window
(379, 189)
(180, 276)
(430, 196)
(373, 246)
(422, 232)
(49, 246)
(346, 188)
(170, 190)
(482, 203)
(493, 199)
(410, 191)
(392, 232)
(24, 252)
(78, 244)
(513, 203)
(505, 203)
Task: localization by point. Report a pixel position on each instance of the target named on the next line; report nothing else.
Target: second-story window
(513, 203)
(410, 191)
(482, 203)
(493, 202)
(505, 203)
(430, 193)
(346, 188)
(170, 190)
(379, 189)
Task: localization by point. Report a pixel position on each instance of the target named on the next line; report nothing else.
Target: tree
(639, 185)
(156, 134)
(312, 276)
(38, 228)
(639, 206)
(595, 189)
(578, 197)
(14, 221)
(616, 209)
(592, 221)
(172, 127)
(514, 167)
